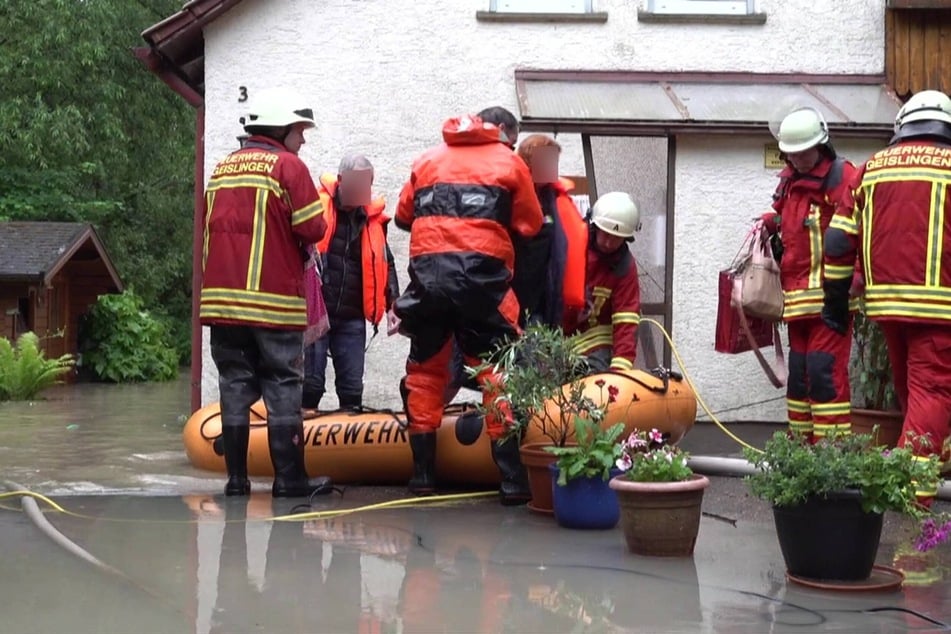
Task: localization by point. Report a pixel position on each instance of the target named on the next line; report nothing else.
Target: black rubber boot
(423, 481)
(312, 394)
(285, 443)
(235, 444)
(350, 402)
(514, 487)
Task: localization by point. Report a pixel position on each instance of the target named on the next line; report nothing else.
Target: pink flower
(624, 463)
(600, 383)
(613, 391)
(655, 436)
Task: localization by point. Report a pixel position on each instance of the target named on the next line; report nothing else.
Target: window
(540, 6)
(702, 7)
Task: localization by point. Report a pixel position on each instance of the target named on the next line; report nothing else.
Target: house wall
(382, 82)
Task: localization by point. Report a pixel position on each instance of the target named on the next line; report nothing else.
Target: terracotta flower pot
(536, 461)
(660, 519)
(889, 425)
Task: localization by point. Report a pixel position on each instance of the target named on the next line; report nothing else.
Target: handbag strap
(778, 375)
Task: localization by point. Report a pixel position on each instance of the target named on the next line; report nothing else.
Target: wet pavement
(180, 557)
(205, 563)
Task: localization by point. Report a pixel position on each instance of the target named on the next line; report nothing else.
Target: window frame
(545, 7)
(701, 7)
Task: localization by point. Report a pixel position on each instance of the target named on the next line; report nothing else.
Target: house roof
(34, 252)
(176, 47)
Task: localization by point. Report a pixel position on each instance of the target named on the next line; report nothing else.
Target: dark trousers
(345, 342)
(254, 363)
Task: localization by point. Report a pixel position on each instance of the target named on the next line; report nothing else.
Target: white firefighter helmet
(615, 213)
(802, 129)
(927, 105)
(278, 107)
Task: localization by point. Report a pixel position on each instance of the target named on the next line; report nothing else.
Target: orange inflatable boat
(371, 447)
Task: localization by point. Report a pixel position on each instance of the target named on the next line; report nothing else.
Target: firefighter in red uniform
(812, 187)
(549, 267)
(462, 201)
(901, 226)
(262, 209)
(607, 329)
(359, 280)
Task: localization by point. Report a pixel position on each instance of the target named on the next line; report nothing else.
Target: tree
(87, 134)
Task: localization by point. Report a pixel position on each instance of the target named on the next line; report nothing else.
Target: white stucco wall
(384, 75)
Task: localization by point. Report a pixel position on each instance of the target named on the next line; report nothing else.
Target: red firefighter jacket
(805, 204)
(463, 198)
(572, 261)
(614, 307)
(901, 226)
(374, 264)
(261, 209)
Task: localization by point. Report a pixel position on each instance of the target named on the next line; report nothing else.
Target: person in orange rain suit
(262, 209)
(812, 187)
(901, 226)
(607, 329)
(463, 199)
(359, 285)
(549, 267)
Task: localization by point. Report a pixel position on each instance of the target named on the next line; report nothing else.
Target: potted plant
(581, 496)
(659, 495)
(874, 404)
(539, 369)
(828, 499)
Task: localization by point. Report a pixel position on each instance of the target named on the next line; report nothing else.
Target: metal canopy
(620, 102)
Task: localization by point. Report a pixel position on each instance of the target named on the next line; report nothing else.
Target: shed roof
(34, 252)
(622, 102)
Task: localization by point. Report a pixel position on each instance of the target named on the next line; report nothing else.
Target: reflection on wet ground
(205, 563)
(186, 559)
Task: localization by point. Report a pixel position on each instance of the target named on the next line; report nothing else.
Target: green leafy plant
(122, 342)
(543, 377)
(870, 370)
(791, 469)
(24, 370)
(596, 450)
(646, 456)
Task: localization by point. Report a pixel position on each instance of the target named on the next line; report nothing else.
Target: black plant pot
(829, 538)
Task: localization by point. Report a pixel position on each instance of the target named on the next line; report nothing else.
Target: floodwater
(176, 556)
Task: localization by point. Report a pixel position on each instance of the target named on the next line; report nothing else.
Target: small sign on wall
(771, 158)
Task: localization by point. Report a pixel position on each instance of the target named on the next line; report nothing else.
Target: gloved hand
(835, 304)
(392, 323)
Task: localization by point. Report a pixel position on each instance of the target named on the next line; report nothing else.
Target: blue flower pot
(585, 502)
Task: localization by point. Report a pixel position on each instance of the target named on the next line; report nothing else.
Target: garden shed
(50, 274)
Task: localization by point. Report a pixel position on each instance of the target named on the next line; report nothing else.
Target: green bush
(24, 372)
(122, 342)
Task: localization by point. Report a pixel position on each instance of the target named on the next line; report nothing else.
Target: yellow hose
(683, 369)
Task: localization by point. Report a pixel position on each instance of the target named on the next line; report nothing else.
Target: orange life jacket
(576, 234)
(372, 247)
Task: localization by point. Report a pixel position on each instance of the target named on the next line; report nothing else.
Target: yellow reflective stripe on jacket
(866, 220)
(844, 223)
(258, 182)
(258, 233)
(625, 318)
(901, 174)
(620, 363)
(907, 292)
(838, 271)
(815, 247)
(935, 234)
(908, 309)
(304, 214)
(597, 336)
(248, 305)
(209, 205)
